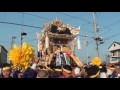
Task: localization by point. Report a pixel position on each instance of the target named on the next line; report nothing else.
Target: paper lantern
(46, 42)
(79, 44)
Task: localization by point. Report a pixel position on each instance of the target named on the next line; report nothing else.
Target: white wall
(116, 47)
(3, 56)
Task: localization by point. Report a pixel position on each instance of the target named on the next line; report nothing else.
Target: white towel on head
(103, 75)
(34, 66)
(79, 44)
(77, 71)
(109, 72)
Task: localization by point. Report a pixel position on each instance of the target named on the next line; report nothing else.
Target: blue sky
(108, 21)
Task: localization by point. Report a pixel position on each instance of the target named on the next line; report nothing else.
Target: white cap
(34, 66)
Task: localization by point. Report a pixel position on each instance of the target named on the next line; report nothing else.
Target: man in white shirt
(109, 72)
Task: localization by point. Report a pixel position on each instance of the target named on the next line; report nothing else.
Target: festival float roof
(58, 32)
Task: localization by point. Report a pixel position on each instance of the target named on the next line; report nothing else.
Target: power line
(45, 17)
(5, 42)
(36, 16)
(108, 38)
(48, 18)
(109, 26)
(69, 16)
(86, 20)
(112, 36)
(106, 32)
(87, 31)
(74, 17)
(77, 18)
(85, 36)
(22, 19)
(85, 24)
(20, 24)
(89, 22)
(51, 19)
(29, 26)
(31, 40)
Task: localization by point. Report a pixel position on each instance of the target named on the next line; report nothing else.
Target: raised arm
(77, 60)
(73, 48)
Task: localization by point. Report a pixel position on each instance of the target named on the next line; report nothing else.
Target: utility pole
(21, 39)
(96, 34)
(12, 42)
(13, 37)
(22, 34)
(87, 48)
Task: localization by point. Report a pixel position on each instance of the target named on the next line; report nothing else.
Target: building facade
(114, 50)
(3, 55)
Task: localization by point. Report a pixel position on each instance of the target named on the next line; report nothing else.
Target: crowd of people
(60, 64)
(39, 71)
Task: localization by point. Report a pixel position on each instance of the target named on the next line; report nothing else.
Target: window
(114, 45)
(113, 53)
(114, 58)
